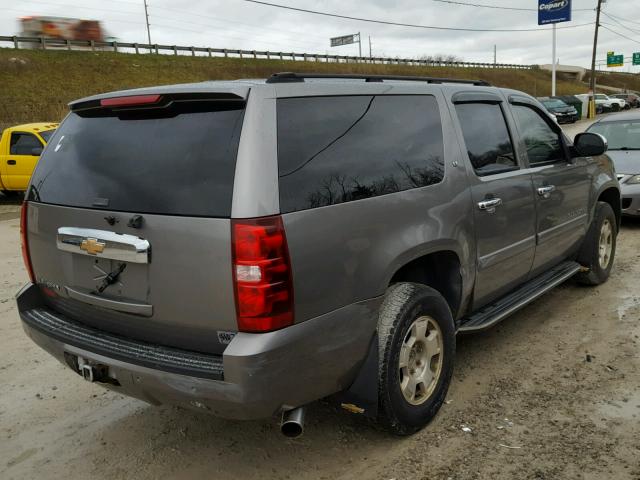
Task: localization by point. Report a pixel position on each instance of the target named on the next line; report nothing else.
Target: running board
(497, 311)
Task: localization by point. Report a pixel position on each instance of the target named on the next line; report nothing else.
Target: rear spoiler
(127, 100)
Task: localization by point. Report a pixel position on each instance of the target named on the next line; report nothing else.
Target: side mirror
(36, 151)
(589, 144)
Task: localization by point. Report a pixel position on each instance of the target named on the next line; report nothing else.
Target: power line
(622, 19)
(619, 34)
(79, 6)
(500, 7)
(226, 20)
(384, 22)
(620, 23)
(616, 26)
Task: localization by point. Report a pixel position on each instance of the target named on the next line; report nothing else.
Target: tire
(408, 305)
(598, 239)
(615, 107)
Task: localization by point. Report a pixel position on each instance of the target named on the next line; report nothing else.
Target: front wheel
(417, 348)
(599, 247)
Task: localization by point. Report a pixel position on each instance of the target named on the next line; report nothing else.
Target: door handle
(545, 192)
(11, 162)
(489, 205)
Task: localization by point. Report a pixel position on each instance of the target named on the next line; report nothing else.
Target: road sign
(636, 58)
(614, 60)
(554, 11)
(344, 40)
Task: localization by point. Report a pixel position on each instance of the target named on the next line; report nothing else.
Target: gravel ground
(551, 393)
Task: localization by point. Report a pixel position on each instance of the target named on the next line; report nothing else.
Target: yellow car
(20, 148)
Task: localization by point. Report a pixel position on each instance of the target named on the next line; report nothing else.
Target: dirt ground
(551, 393)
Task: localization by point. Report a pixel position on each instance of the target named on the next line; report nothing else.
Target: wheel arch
(440, 270)
(611, 195)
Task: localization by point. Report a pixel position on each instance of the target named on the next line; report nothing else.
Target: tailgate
(128, 220)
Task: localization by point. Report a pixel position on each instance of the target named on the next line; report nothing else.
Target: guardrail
(45, 43)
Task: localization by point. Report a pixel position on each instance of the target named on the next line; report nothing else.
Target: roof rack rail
(292, 77)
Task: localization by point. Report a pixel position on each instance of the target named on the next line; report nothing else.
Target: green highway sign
(615, 60)
(636, 58)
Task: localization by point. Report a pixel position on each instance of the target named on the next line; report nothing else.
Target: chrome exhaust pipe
(292, 424)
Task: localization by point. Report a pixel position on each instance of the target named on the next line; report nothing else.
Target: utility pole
(553, 64)
(592, 80)
(146, 14)
(495, 55)
(359, 45)
(369, 46)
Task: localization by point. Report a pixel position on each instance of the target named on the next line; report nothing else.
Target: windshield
(619, 135)
(46, 135)
(554, 104)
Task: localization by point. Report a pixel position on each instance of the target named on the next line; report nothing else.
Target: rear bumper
(257, 376)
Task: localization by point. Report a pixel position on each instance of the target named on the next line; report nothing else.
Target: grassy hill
(36, 85)
(619, 80)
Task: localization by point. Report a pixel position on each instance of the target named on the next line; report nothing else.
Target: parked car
(245, 248)
(631, 99)
(561, 111)
(622, 132)
(608, 103)
(20, 148)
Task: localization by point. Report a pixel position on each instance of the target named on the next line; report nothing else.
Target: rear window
(178, 160)
(46, 135)
(340, 149)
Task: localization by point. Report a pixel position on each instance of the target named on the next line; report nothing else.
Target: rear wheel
(417, 348)
(599, 247)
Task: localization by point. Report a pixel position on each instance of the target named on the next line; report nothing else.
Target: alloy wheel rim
(420, 360)
(605, 244)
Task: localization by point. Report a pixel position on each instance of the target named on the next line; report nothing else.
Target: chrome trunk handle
(104, 244)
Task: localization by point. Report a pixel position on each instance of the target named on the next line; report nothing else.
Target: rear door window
(487, 138)
(176, 161)
(340, 149)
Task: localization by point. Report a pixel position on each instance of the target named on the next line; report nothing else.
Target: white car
(609, 103)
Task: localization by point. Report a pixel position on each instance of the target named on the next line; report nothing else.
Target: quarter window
(340, 149)
(487, 138)
(23, 143)
(542, 142)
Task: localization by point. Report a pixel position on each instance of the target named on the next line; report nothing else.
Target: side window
(23, 143)
(487, 138)
(542, 142)
(340, 149)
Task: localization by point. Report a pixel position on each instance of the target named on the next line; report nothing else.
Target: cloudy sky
(240, 24)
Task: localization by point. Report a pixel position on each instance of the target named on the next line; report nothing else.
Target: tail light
(23, 240)
(130, 101)
(261, 274)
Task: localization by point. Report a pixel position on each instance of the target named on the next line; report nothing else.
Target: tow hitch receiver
(91, 372)
(88, 373)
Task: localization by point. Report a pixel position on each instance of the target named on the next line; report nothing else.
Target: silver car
(245, 248)
(622, 132)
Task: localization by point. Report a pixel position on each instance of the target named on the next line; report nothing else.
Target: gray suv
(244, 248)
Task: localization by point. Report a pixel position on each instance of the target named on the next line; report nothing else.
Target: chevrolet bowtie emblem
(92, 246)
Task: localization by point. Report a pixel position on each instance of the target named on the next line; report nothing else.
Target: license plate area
(110, 278)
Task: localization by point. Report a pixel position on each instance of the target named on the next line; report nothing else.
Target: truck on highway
(20, 149)
(61, 28)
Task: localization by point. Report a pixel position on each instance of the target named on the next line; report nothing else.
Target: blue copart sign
(554, 11)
